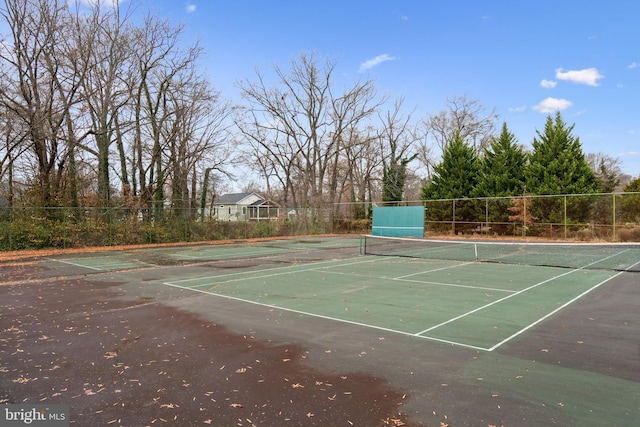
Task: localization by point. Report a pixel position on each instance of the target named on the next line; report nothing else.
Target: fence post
(613, 208)
(486, 216)
(11, 219)
(524, 215)
(453, 220)
(64, 228)
(565, 216)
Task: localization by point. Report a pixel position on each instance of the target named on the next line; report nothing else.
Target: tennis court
(467, 334)
(477, 305)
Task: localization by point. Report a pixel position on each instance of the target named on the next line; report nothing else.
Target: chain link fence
(63, 227)
(588, 217)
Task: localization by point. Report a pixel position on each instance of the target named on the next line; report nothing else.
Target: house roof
(263, 202)
(233, 198)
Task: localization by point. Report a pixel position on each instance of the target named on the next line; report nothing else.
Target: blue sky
(526, 59)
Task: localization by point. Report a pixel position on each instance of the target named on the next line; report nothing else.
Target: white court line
(416, 335)
(282, 273)
(553, 312)
(76, 265)
(494, 302)
(335, 319)
(260, 250)
(294, 267)
(562, 306)
(350, 291)
(107, 267)
(453, 285)
(435, 269)
(515, 294)
(422, 282)
(240, 255)
(402, 278)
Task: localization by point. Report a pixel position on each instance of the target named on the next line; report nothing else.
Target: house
(244, 207)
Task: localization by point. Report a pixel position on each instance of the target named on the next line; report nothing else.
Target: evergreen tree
(502, 167)
(394, 176)
(399, 137)
(558, 166)
(607, 177)
(456, 177)
(502, 174)
(631, 202)
(633, 186)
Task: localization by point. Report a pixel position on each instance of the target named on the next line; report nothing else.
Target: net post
(361, 240)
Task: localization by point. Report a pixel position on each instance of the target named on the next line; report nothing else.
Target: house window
(244, 210)
(229, 210)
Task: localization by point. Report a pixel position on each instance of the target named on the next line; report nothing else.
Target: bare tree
(363, 164)
(607, 170)
(271, 155)
(198, 136)
(158, 59)
(86, 91)
(12, 148)
(468, 117)
(301, 127)
(103, 44)
(397, 144)
(42, 85)
(425, 151)
(349, 111)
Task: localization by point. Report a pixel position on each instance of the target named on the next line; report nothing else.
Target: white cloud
(519, 109)
(370, 63)
(190, 8)
(548, 84)
(633, 65)
(588, 76)
(630, 154)
(551, 105)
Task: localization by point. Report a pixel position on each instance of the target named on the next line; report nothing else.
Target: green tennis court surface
(142, 258)
(475, 305)
(486, 334)
(103, 263)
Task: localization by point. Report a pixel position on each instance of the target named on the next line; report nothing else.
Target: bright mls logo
(35, 415)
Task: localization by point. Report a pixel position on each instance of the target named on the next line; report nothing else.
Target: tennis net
(596, 256)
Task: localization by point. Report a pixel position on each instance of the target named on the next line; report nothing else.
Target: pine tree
(607, 177)
(633, 186)
(393, 178)
(502, 174)
(631, 202)
(456, 177)
(502, 167)
(558, 166)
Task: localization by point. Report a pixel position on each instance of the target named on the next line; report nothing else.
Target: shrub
(629, 234)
